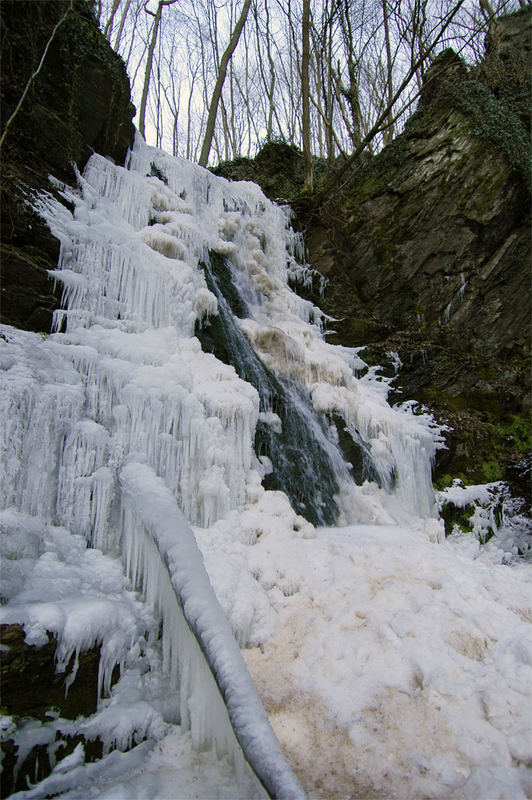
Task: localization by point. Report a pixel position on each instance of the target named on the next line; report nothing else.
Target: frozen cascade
(122, 395)
(306, 462)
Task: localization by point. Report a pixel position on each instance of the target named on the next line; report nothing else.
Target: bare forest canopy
(215, 79)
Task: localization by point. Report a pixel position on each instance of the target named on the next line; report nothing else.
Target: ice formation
(133, 422)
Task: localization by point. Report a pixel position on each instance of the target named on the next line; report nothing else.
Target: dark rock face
(428, 253)
(79, 103)
(31, 686)
(32, 691)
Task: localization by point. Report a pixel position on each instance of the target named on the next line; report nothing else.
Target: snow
(172, 769)
(414, 657)
(392, 662)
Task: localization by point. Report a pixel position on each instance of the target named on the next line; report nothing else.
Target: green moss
(496, 118)
(446, 480)
(277, 168)
(492, 470)
(517, 430)
(453, 516)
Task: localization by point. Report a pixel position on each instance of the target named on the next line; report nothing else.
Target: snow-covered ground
(397, 667)
(392, 662)
(390, 665)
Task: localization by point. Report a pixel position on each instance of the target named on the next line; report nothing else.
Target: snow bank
(399, 667)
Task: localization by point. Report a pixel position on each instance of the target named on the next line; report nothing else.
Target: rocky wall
(78, 103)
(427, 253)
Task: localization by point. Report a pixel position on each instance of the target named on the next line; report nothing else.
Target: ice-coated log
(153, 518)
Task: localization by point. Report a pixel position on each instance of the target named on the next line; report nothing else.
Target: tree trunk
(217, 93)
(122, 23)
(388, 132)
(149, 61)
(109, 24)
(305, 97)
(34, 74)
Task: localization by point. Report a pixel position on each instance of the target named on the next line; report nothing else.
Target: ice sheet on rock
(151, 277)
(169, 769)
(41, 396)
(159, 396)
(402, 444)
(495, 517)
(82, 597)
(71, 591)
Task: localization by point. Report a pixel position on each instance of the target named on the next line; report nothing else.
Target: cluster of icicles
(138, 417)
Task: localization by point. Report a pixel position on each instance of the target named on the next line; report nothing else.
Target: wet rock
(31, 687)
(33, 693)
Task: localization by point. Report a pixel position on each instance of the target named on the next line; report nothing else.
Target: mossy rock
(278, 168)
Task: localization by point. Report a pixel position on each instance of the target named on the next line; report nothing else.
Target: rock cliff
(78, 103)
(428, 255)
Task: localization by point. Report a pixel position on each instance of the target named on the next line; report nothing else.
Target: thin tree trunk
(122, 23)
(305, 96)
(269, 85)
(109, 24)
(225, 129)
(271, 89)
(149, 61)
(131, 46)
(327, 126)
(330, 98)
(34, 74)
(189, 111)
(217, 93)
(388, 133)
(250, 118)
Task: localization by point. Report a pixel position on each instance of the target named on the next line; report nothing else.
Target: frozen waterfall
(121, 429)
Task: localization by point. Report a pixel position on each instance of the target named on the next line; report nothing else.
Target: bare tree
(269, 82)
(149, 60)
(217, 93)
(384, 116)
(305, 95)
(123, 18)
(109, 23)
(388, 133)
(360, 54)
